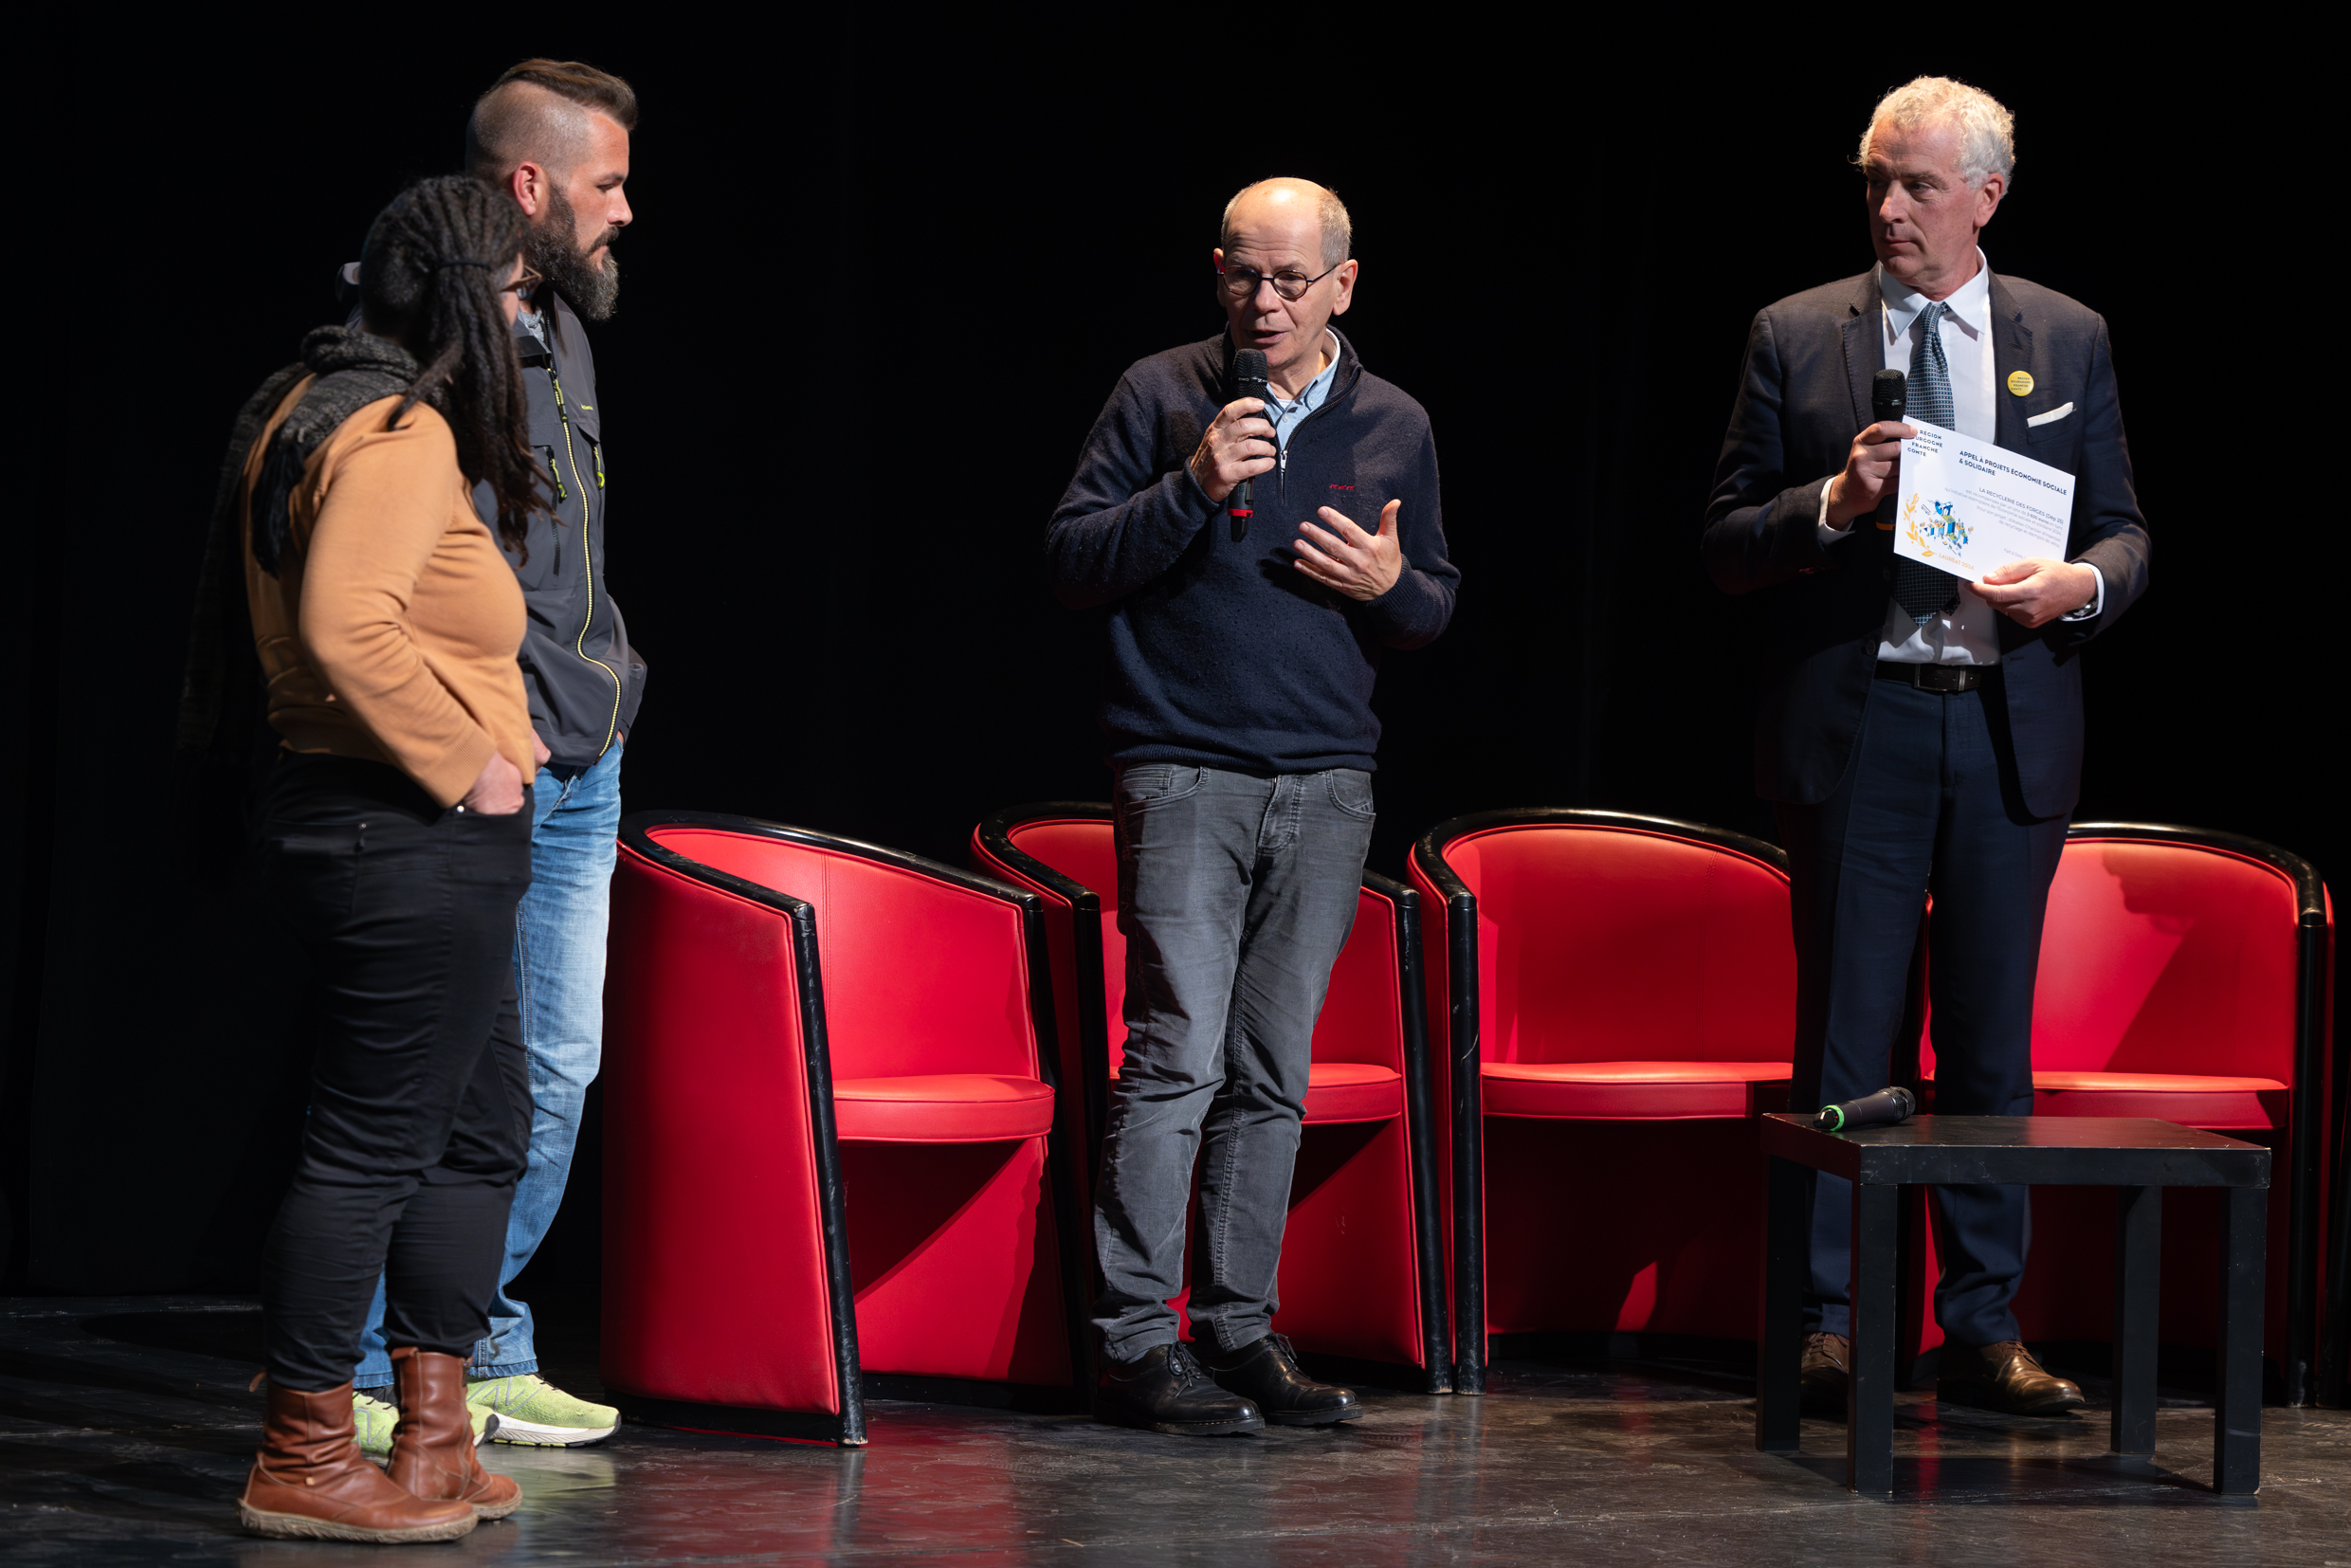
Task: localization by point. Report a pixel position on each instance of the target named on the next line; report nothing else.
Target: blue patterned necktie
(1922, 592)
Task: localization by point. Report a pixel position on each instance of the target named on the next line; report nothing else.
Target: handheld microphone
(1248, 381)
(1882, 1109)
(1889, 397)
(1890, 394)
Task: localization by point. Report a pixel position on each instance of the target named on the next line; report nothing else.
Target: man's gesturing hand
(1239, 445)
(2033, 593)
(1870, 470)
(1360, 565)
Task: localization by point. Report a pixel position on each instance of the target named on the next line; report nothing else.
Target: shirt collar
(1317, 389)
(1971, 306)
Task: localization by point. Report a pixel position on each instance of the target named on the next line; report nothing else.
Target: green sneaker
(374, 1420)
(532, 1411)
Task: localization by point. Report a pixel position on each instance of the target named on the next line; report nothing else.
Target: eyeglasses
(524, 282)
(1241, 282)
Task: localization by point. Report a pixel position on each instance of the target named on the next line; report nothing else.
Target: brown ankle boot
(432, 1447)
(310, 1481)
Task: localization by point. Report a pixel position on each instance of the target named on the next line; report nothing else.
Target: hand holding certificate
(1967, 506)
(1974, 510)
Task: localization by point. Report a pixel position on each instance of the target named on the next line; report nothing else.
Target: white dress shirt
(1970, 634)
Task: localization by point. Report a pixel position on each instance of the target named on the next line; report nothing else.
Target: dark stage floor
(125, 1429)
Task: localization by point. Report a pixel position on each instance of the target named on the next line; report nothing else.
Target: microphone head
(1889, 393)
(1248, 373)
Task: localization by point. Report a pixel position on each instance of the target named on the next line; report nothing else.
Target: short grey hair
(1338, 228)
(1987, 130)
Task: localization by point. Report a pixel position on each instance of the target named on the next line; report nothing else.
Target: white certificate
(1968, 506)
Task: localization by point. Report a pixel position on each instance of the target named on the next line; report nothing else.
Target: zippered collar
(1342, 384)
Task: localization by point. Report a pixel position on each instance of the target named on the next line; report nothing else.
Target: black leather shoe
(1268, 1373)
(1164, 1389)
(1827, 1374)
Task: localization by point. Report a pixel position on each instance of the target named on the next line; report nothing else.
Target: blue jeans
(558, 971)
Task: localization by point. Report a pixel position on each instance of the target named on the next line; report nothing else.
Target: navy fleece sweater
(1226, 655)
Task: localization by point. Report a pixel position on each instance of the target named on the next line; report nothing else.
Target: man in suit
(1918, 732)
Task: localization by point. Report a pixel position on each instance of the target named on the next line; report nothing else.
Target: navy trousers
(1928, 802)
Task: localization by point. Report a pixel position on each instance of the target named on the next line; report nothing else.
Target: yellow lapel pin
(2021, 382)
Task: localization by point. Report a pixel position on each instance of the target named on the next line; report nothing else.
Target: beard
(554, 250)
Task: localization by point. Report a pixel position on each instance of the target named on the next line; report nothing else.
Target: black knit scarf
(223, 710)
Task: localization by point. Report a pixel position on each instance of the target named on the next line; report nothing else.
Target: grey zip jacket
(583, 679)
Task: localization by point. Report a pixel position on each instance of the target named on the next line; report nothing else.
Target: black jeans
(420, 1105)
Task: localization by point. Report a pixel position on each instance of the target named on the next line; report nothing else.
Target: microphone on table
(1248, 381)
(1882, 1109)
(1889, 395)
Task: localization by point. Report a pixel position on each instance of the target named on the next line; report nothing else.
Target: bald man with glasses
(1242, 647)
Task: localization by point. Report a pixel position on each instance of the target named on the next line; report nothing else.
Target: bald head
(1280, 203)
(544, 112)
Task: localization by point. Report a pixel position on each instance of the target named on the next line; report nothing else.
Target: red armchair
(1360, 1284)
(829, 1163)
(1619, 996)
(2185, 975)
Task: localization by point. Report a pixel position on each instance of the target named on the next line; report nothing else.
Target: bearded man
(555, 136)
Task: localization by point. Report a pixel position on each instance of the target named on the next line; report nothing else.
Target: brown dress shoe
(432, 1451)
(1826, 1373)
(2004, 1377)
(311, 1481)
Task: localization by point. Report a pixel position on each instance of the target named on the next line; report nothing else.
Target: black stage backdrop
(880, 281)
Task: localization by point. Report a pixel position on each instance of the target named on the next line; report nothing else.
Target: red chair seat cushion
(946, 1107)
(1353, 1091)
(2193, 1100)
(1665, 1091)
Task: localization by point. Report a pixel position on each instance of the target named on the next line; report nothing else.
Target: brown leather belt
(1943, 677)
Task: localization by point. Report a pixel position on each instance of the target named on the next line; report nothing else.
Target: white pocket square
(2051, 417)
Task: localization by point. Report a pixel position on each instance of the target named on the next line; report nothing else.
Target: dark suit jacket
(1803, 395)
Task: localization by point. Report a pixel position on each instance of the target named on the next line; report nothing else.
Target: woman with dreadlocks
(395, 842)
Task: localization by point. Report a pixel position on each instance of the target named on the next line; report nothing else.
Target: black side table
(2138, 1157)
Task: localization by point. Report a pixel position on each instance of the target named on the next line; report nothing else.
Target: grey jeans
(1235, 894)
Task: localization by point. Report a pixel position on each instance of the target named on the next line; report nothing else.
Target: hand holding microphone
(1874, 464)
(1239, 445)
